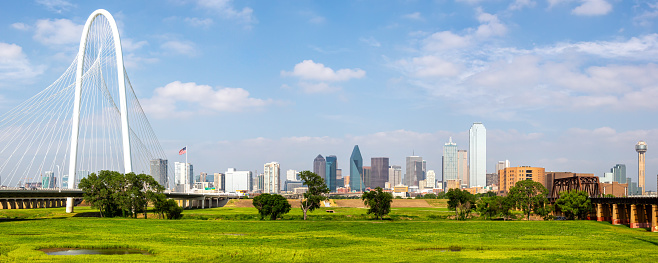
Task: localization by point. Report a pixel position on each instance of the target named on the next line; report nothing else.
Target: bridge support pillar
(615, 215)
(654, 218)
(69, 204)
(599, 212)
(3, 203)
(634, 221)
(203, 203)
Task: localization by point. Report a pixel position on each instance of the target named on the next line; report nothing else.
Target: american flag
(182, 151)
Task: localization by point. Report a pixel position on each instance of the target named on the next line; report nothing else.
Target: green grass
(235, 235)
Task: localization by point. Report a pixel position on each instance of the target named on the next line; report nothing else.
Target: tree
(271, 205)
(463, 202)
(378, 201)
(489, 206)
(314, 195)
(530, 196)
(574, 204)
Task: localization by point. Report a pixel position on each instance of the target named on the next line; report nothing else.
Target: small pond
(91, 251)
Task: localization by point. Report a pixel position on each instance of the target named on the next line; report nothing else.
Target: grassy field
(235, 234)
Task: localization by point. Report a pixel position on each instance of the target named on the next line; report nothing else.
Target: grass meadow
(234, 234)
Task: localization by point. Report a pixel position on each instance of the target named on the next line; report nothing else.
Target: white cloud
(310, 70)
(179, 99)
(226, 10)
(413, 16)
(371, 41)
(430, 66)
(20, 26)
(14, 64)
(520, 4)
(490, 25)
(592, 8)
(445, 40)
(198, 22)
(321, 87)
(129, 45)
(180, 47)
(57, 32)
(57, 6)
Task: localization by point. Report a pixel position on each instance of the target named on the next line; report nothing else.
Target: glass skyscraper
(320, 167)
(330, 172)
(619, 173)
(159, 168)
(356, 170)
(415, 172)
(450, 161)
(477, 158)
(379, 172)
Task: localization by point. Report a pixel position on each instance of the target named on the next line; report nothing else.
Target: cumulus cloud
(57, 6)
(198, 22)
(57, 32)
(592, 8)
(226, 10)
(14, 64)
(490, 25)
(20, 26)
(310, 70)
(179, 99)
(445, 40)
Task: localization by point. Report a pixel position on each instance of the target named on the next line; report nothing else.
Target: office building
(379, 172)
(477, 158)
(290, 185)
(641, 148)
(607, 178)
(159, 171)
(462, 166)
(492, 179)
(356, 170)
(510, 175)
(272, 178)
(619, 173)
(219, 181)
(415, 172)
(184, 178)
(502, 165)
(203, 177)
(450, 161)
(237, 181)
(367, 172)
(430, 181)
(330, 172)
(292, 175)
(395, 175)
(320, 166)
(48, 180)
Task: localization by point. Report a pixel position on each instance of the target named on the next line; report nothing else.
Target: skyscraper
(183, 177)
(394, 175)
(291, 175)
(502, 165)
(219, 181)
(462, 166)
(330, 172)
(356, 170)
(379, 173)
(450, 162)
(641, 148)
(477, 159)
(415, 171)
(159, 168)
(320, 166)
(619, 173)
(272, 178)
(48, 180)
(431, 179)
(237, 181)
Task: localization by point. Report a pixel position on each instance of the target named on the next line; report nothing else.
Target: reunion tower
(641, 148)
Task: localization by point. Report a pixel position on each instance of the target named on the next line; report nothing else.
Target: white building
(477, 155)
(183, 177)
(607, 178)
(450, 160)
(431, 179)
(237, 181)
(272, 178)
(502, 165)
(291, 175)
(395, 175)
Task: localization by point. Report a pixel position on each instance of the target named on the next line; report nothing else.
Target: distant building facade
(330, 172)
(272, 178)
(183, 177)
(462, 166)
(510, 175)
(415, 172)
(237, 180)
(159, 171)
(430, 181)
(356, 170)
(219, 181)
(379, 174)
(320, 166)
(450, 161)
(477, 155)
(395, 175)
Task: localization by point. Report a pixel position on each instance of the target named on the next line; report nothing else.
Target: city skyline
(583, 121)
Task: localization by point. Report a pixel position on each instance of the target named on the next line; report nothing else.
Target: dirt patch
(349, 203)
(396, 203)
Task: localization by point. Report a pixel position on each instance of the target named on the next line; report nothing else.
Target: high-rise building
(203, 177)
(330, 172)
(415, 171)
(509, 176)
(184, 178)
(477, 158)
(502, 165)
(320, 166)
(291, 175)
(48, 180)
(641, 148)
(492, 179)
(395, 175)
(356, 170)
(379, 173)
(431, 179)
(237, 181)
(367, 172)
(450, 162)
(619, 173)
(462, 166)
(159, 168)
(219, 181)
(272, 175)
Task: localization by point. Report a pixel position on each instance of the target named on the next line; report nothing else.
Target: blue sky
(569, 85)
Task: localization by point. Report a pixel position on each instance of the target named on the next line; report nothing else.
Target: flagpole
(187, 170)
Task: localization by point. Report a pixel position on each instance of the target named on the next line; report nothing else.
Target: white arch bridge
(88, 120)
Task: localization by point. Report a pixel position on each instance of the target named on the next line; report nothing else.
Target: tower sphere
(641, 147)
